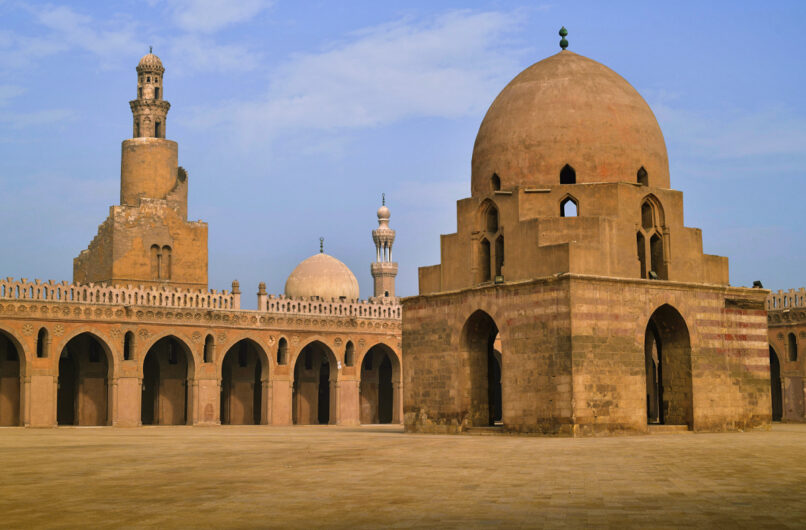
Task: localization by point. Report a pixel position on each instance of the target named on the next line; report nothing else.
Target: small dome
(150, 63)
(568, 109)
(384, 213)
(323, 276)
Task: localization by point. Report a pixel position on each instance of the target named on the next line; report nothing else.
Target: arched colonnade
(84, 377)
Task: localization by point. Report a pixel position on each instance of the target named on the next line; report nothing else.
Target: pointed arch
(85, 366)
(380, 385)
(168, 368)
(568, 175)
(569, 206)
(12, 370)
(488, 216)
(478, 338)
(654, 206)
(495, 182)
(244, 371)
(642, 177)
(314, 389)
(667, 354)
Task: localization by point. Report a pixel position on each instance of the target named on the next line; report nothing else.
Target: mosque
(138, 339)
(588, 307)
(571, 300)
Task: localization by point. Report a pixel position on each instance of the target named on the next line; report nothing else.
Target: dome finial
(383, 199)
(150, 49)
(321, 245)
(563, 41)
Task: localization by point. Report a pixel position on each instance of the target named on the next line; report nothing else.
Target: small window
(643, 177)
(386, 293)
(792, 347)
(499, 255)
(42, 343)
(484, 261)
(156, 93)
(140, 92)
(640, 243)
(568, 207)
(647, 216)
(157, 129)
(148, 79)
(568, 175)
(208, 349)
(496, 182)
(349, 354)
(282, 351)
(492, 219)
(128, 346)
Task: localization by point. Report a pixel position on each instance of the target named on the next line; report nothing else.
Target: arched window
(492, 219)
(42, 343)
(499, 255)
(484, 261)
(157, 129)
(165, 271)
(656, 256)
(209, 344)
(641, 245)
(155, 262)
(128, 346)
(496, 182)
(792, 347)
(568, 175)
(642, 177)
(349, 354)
(569, 207)
(647, 215)
(282, 351)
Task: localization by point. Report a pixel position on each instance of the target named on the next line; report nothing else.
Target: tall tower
(147, 240)
(384, 270)
(149, 109)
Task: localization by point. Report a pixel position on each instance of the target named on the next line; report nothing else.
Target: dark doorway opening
(313, 400)
(10, 371)
(486, 389)
(167, 372)
(379, 370)
(82, 397)
(667, 354)
(776, 393)
(242, 385)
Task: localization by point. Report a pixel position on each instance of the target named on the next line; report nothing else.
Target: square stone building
(572, 298)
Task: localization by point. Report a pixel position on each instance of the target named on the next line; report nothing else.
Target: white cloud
(8, 92)
(108, 39)
(208, 16)
(768, 139)
(450, 67)
(192, 52)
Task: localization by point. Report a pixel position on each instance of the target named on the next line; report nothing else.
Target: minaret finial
(321, 245)
(150, 49)
(563, 41)
(383, 199)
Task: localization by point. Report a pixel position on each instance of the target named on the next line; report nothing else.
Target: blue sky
(293, 117)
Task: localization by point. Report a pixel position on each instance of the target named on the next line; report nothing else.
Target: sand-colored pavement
(379, 476)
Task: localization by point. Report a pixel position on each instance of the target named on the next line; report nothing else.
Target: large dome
(568, 109)
(323, 276)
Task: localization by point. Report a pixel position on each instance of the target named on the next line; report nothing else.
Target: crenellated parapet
(90, 293)
(782, 300)
(388, 308)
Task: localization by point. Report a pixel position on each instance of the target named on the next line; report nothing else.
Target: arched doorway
(380, 384)
(167, 375)
(244, 372)
(667, 357)
(776, 394)
(314, 401)
(11, 361)
(82, 397)
(479, 342)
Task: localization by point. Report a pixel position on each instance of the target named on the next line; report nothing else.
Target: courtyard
(379, 476)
